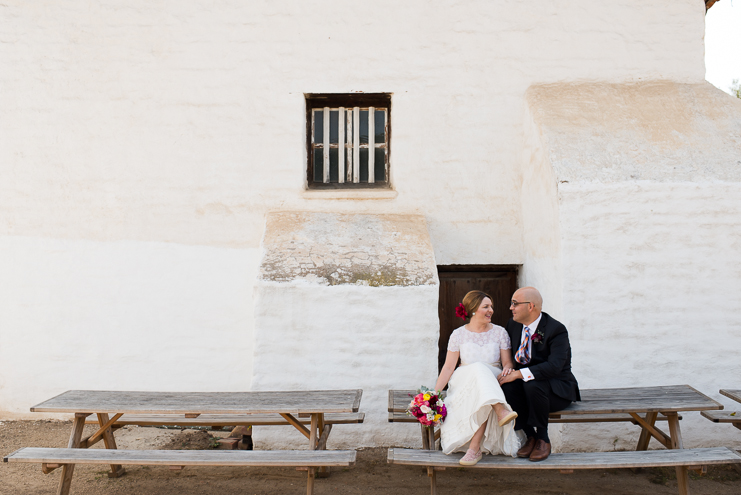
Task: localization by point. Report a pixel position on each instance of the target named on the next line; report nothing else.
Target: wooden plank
(356, 145)
(296, 424)
(93, 439)
(110, 442)
(645, 438)
(290, 458)
(290, 402)
(371, 145)
(230, 419)
(731, 394)
(659, 435)
(574, 460)
(398, 417)
(65, 481)
(341, 145)
(642, 400)
(325, 146)
(722, 416)
(683, 478)
(356, 400)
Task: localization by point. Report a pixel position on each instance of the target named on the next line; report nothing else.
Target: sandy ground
(371, 475)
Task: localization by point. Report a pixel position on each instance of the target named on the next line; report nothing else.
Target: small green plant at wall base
(736, 88)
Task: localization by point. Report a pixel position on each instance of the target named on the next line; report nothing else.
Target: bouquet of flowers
(427, 407)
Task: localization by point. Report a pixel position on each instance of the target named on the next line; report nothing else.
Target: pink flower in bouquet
(427, 407)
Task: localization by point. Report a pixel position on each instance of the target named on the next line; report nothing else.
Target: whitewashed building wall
(142, 146)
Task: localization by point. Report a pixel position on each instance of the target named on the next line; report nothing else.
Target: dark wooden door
(500, 282)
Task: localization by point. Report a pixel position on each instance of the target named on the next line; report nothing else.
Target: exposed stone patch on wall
(336, 249)
(657, 130)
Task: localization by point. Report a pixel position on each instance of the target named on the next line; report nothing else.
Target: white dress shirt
(526, 374)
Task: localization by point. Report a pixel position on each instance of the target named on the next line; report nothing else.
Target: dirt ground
(371, 474)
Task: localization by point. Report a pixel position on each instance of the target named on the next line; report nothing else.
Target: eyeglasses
(515, 303)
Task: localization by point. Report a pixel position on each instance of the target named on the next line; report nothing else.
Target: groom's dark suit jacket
(551, 358)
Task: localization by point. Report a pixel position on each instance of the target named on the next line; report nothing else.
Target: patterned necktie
(523, 353)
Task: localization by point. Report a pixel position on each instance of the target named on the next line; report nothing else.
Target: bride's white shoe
(471, 458)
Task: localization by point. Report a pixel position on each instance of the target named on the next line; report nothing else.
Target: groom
(541, 381)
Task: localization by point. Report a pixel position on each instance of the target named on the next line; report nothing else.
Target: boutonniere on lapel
(538, 337)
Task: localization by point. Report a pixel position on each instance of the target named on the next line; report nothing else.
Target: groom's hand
(509, 377)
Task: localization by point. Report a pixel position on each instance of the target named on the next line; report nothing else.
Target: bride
(479, 418)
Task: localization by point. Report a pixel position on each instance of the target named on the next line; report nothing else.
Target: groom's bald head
(527, 303)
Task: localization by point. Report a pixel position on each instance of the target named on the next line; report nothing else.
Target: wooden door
(499, 281)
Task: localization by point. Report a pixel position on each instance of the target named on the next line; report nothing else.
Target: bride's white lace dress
(472, 390)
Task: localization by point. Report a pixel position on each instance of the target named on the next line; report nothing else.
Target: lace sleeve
(454, 343)
(504, 340)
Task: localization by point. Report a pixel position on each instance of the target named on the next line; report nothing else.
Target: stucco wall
(648, 180)
(142, 145)
(346, 301)
(121, 315)
(346, 336)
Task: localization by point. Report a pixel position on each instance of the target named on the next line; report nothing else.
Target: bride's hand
(506, 371)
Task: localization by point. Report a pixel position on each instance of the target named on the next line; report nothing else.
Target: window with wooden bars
(348, 140)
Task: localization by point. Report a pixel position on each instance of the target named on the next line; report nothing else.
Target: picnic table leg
(110, 443)
(425, 438)
(74, 442)
(676, 443)
(645, 437)
(322, 432)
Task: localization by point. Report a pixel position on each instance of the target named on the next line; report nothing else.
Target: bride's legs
(477, 437)
(501, 412)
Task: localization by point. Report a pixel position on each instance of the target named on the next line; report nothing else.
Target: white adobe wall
(346, 336)
(133, 130)
(121, 315)
(648, 181)
(346, 301)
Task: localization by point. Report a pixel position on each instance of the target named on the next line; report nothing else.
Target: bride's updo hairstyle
(473, 299)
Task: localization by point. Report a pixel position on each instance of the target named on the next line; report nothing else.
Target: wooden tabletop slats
(732, 394)
(576, 460)
(674, 398)
(288, 402)
(185, 457)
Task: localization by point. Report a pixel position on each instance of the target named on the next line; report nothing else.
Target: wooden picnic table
(639, 405)
(288, 404)
(733, 417)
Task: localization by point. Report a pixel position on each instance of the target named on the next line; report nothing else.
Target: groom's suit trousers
(532, 401)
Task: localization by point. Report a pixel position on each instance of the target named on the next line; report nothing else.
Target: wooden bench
(53, 458)
(643, 405)
(221, 420)
(733, 417)
(688, 458)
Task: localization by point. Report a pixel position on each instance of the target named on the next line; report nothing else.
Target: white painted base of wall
(310, 336)
(121, 315)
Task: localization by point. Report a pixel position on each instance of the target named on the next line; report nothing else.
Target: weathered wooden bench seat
(227, 419)
(567, 462)
(399, 417)
(52, 458)
(733, 417)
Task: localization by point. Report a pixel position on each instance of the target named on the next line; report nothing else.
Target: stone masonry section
(359, 249)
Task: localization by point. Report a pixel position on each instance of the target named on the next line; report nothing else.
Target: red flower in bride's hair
(460, 311)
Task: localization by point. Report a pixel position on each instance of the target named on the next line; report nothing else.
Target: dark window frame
(347, 100)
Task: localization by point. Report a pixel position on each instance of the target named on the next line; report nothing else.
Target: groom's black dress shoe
(527, 449)
(541, 451)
